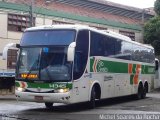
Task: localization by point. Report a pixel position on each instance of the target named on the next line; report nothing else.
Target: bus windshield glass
(44, 63)
(48, 37)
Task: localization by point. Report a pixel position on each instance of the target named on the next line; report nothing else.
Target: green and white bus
(75, 63)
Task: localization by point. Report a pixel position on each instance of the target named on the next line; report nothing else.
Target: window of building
(18, 22)
(54, 22)
(11, 59)
(99, 28)
(129, 34)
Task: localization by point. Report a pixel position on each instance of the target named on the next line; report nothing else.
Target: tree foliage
(157, 7)
(152, 29)
(152, 33)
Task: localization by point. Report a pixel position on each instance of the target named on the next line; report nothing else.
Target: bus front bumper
(44, 97)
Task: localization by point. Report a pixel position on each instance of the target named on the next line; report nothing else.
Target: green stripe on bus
(105, 66)
(134, 68)
(46, 85)
(109, 66)
(131, 79)
(17, 84)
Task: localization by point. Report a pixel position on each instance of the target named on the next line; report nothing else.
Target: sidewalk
(157, 90)
(7, 97)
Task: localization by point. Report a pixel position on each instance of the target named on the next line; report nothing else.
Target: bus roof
(80, 27)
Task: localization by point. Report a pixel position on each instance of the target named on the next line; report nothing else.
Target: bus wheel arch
(98, 90)
(95, 93)
(145, 90)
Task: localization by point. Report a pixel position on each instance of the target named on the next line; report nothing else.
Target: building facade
(15, 17)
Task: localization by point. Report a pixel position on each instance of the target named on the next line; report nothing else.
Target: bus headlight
(20, 89)
(62, 90)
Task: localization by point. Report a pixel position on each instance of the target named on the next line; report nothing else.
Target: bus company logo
(99, 66)
(102, 67)
(23, 84)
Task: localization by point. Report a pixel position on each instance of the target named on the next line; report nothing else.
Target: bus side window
(109, 46)
(97, 44)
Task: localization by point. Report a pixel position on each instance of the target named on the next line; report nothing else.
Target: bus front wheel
(140, 92)
(92, 99)
(49, 105)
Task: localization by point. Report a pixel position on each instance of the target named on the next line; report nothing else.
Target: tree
(152, 29)
(152, 33)
(157, 7)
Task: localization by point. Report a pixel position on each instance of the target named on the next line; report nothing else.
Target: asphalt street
(123, 108)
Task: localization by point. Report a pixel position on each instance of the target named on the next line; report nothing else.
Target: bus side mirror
(18, 46)
(8, 46)
(71, 51)
(156, 64)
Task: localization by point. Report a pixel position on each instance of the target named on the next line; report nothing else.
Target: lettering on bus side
(151, 70)
(101, 66)
(108, 78)
(88, 75)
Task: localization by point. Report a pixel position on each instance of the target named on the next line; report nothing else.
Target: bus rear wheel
(145, 89)
(49, 105)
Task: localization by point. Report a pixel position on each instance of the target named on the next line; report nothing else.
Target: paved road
(124, 108)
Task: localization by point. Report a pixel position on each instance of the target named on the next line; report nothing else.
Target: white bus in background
(75, 63)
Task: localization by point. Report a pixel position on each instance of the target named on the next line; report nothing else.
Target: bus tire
(92, 102)
(49, 105)
(140, 92)
(145, 89)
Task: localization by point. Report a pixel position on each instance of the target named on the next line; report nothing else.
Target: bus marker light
(33, 76)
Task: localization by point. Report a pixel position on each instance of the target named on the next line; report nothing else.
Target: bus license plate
(38, 98)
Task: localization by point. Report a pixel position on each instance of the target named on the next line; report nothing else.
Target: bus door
(81, 81)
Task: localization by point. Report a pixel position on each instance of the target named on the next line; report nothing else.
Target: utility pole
(144, 13)
(143, 19)
(31, 11)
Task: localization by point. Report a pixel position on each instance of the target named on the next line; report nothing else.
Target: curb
(7, 97)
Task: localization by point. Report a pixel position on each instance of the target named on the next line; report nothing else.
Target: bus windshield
(43, 55)
(44, 63)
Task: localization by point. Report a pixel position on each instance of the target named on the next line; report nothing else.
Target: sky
(136, 3)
